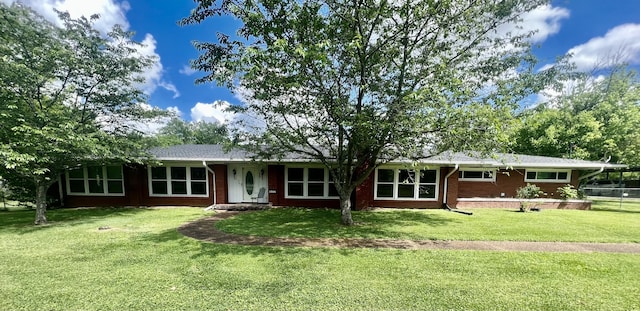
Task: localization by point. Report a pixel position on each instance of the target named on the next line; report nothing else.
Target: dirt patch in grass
(205, 230)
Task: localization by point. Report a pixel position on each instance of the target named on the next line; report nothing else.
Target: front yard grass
(138, 261)
(606, 222)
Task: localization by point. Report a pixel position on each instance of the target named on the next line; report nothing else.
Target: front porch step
(240, 207)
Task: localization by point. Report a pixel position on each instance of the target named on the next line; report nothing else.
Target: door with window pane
(254, 178)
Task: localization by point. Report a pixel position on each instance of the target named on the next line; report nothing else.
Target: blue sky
(589, 28)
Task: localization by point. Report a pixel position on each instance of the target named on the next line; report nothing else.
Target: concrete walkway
(204, 229)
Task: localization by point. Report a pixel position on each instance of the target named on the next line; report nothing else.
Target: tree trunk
(345, 210)
(41, 202)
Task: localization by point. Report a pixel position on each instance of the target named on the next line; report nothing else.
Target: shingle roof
(199, 153)
(217, 153)
(516, 160)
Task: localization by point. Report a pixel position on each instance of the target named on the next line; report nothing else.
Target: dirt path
(204, 229)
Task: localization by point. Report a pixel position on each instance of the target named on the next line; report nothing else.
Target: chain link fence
(612, 192)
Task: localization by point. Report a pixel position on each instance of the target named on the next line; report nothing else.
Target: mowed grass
(142, 263)
(606, 222)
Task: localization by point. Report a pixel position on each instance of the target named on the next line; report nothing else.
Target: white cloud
(170, 87)
(111, 12)
(175, 110)
(153, 74)
(187, 70)
(545, 20)
(213, 113)
(620, 44)
(550, 95)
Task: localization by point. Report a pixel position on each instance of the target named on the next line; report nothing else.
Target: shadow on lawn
(208, 248)
(22, 221)
(292, 225)
(615, 210)
(298, 222)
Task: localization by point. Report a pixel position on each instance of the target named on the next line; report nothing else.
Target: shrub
(569, 192)
(530, 191)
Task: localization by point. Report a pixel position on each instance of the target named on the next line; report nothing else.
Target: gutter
(591, 174)
(215, 200)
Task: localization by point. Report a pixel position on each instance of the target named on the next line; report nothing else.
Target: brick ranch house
(205, 175)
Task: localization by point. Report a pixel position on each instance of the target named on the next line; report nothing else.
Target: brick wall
(137, 192)
(507, 182)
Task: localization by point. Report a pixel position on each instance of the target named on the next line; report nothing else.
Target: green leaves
(598, 121)
(355, 84)
(69, 95)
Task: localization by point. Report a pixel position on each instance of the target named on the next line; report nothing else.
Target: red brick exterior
(277, 197)
(507, 182)
(137, 193)
(221, 186)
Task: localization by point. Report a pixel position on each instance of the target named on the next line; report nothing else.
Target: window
(96, 180)
(178, 181)
(406, 184)
(309, 182)
(472, 174)
(552, 176)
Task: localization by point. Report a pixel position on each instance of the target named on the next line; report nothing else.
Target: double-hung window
(178, 181)
(309, 182)
(547, 175)
(406, 184)
(95, 180)
(473, 174)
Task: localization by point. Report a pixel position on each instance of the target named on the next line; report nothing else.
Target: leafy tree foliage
(597, 120)
(355, 84)
(179, 132)
(69, 95)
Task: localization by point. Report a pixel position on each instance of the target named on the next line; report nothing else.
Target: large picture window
(552, 176)
(95, 180)
(178, 181)
(309, 182)
(473, 174)
(406, 184)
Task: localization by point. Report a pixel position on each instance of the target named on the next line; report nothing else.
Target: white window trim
(305, 182)
(105, 180)
(558, 181)
(168, 181)
(492, 171)
(396, 173)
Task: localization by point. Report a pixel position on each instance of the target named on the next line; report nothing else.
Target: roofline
(594, 165)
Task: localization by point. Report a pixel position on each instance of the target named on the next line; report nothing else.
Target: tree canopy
(180, 132)
(597, 119)
(69, 95)
(355, 84)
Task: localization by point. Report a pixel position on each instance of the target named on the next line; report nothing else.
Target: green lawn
(142, 263)
(607, 222)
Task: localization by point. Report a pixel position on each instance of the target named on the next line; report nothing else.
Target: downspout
(446, 183)
(204, 163)
(591, 174)
(446, 189)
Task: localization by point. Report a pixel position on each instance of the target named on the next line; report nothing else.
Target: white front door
(245, 182)
(251, 184)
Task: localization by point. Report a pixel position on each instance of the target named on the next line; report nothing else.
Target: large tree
(596, 118)
(355, 84)
(69, 95)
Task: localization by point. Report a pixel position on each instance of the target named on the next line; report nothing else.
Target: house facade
(205, 175)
